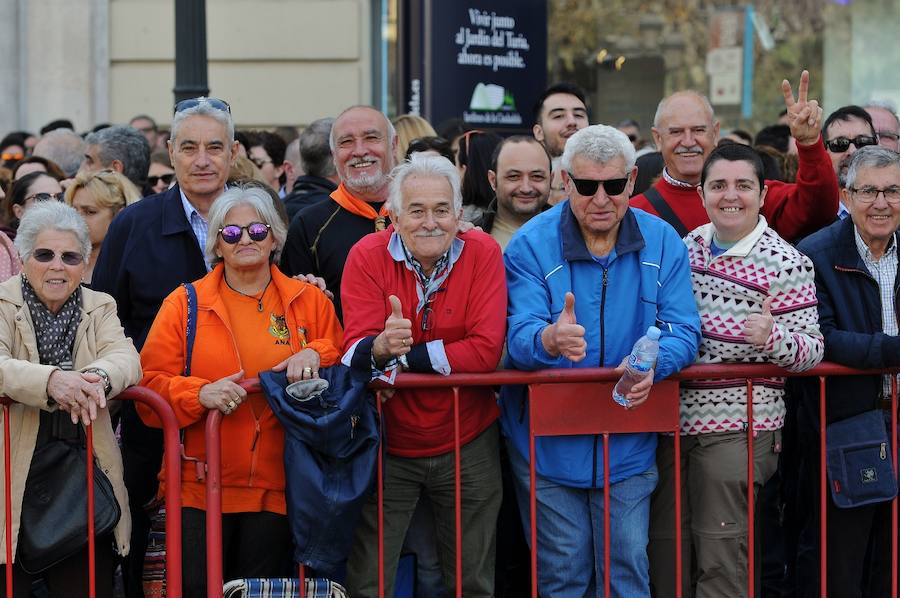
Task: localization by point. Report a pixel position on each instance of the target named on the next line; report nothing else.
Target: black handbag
(54, 523)
(858, 459)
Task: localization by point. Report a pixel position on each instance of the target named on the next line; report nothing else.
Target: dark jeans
(142, 450)
(69, 578)
(253, 545)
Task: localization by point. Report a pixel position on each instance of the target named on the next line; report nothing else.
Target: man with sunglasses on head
(586, 279)
(151, 247)
(846, 130)
(685, 130)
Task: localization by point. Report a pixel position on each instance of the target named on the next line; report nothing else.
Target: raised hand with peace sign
(804, 115)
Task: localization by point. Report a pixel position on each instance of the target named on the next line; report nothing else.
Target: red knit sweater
(793, 210)
(468, 314)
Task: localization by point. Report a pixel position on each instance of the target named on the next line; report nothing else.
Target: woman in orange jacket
(250, 318)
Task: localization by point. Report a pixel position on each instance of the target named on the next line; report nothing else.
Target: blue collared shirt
(199, 225)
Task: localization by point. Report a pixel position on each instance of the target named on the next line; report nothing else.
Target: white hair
(256, 198)
(423, 165)
(598, 143)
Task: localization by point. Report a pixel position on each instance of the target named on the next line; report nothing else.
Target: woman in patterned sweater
(757, 301)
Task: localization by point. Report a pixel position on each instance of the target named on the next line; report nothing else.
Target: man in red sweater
(420, 296)
(686, 130)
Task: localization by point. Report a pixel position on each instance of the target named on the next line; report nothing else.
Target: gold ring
(406, 342)
(307, 370)
(231, 405)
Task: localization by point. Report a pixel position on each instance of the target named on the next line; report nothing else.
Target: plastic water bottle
(642, 358)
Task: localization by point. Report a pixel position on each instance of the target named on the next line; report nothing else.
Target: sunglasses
(193, 102)
(46, 196)
(9, 157)
(232, 233)
(69, 258)
(839, 145)
(165, 178)
(588, 187)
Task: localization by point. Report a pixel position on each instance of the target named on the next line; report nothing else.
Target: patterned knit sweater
(728, 288)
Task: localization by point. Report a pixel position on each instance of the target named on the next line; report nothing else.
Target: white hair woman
(250, 318)
(63, 354)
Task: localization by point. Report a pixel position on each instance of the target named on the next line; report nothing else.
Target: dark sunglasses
(165, 178)
(46, 196)
(69, 258)
(839, 145)
(232, 233)
(193, 102)
(10, 157)
(588, 187)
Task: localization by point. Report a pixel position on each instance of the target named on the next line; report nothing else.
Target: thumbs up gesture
(758, 327)
(396, 338)
(566, 336)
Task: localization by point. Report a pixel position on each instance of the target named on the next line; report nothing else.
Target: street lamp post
(190, 50)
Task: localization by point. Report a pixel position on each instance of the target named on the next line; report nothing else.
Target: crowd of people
(190, 259)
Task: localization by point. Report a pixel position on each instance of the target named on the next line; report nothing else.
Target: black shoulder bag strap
(665, 211)
(191, 335)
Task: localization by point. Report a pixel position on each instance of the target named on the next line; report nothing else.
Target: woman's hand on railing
(78, 394)
(300, 366)
(224, 394)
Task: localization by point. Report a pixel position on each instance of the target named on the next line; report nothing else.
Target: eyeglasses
(232, 233)
(839, 145)
(10, 157)
(588, 187)
(69, 258)
(165, 178)
(870, 194)
(193, 102)
(632, 137)
(260, 162)
(46, 196)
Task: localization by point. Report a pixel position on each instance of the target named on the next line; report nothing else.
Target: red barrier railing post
(92, 543)
(457, 490)
(894, 502)
(606, 515)
(380, 515)
(679, 558)
(532, 496)
(7, 463)
(823, 498)
(214, 577)
(751, 495)
(301, 575)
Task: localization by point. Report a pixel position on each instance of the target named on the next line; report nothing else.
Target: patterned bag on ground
(282, 588)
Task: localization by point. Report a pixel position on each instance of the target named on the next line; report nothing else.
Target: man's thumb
(396, 307)
(767, 307)
(569, 308)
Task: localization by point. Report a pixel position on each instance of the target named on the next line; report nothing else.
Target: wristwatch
(107, 385)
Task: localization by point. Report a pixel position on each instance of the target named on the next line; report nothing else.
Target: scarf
(359, 207)
(427, 285)
(55, 333)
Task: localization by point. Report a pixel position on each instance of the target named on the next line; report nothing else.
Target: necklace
(259, 299)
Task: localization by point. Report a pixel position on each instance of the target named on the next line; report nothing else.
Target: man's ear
(538, 132)
(492, 180)
(117, 166)
(657, 138)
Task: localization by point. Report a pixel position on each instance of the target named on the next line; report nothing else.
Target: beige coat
(99, 342)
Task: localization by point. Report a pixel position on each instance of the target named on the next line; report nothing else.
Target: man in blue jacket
(151, 247)
(586, 279)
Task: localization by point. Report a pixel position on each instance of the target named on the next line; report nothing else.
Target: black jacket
(850, 320)
(148, 251)
(318, 242)
(307, 191)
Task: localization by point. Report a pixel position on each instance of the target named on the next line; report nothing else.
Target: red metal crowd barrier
(557, 407)
(173, 490)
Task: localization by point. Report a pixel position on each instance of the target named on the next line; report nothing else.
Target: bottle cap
(653, 333)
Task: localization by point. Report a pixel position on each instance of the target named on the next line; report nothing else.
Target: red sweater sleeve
(795, 210)
(362, 296)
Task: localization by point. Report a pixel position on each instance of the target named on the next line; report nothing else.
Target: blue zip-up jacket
(645, 282)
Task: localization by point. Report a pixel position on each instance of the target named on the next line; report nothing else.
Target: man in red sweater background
(685, 130)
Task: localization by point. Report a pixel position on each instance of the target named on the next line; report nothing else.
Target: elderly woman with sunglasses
(98, 197)
(63, 354)
(250, 318)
